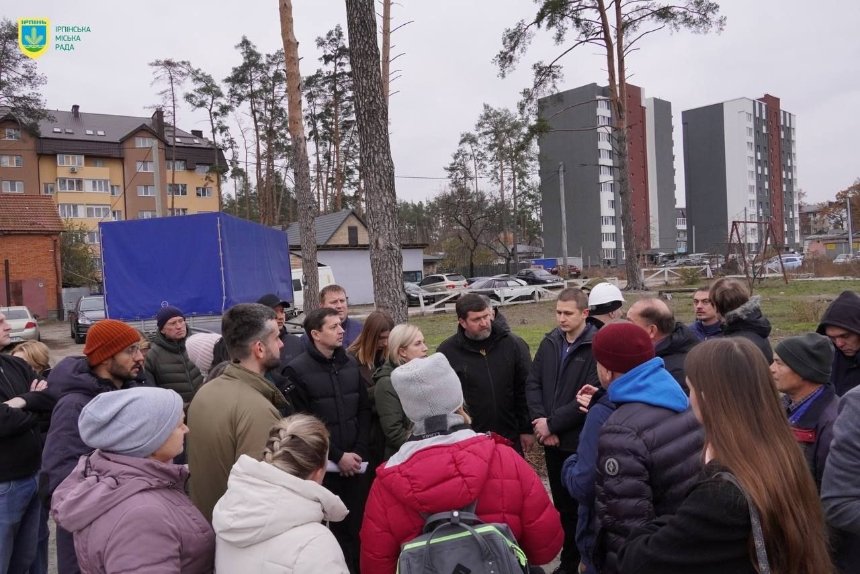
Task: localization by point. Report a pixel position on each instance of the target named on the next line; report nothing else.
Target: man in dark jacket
(23, 403)
(334, 297)
(492, 365)
(707, 324)
(649, 449)
(329, 386)
(167, 364)
(112, 361)
(562, 365)
(801, 370)
(841, 322)
(672, 340)
(741, 314)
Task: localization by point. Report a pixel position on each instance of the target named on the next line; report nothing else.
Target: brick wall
(31, 257)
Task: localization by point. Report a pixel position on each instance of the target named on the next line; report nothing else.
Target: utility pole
(563, 218)
(850, 227)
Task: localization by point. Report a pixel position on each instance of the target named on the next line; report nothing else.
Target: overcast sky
(796, 51)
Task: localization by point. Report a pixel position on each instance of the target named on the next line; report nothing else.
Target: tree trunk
(386, 50)
(377, 167)
(301, 169)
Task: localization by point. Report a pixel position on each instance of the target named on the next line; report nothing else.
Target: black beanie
(810, 356)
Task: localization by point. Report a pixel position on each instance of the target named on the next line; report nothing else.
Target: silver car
(25, 327)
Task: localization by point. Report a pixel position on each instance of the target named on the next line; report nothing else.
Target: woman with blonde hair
(405, 342)
(270, 518)
(36, 354)
(755, 508)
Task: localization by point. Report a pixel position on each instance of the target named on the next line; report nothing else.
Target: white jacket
(270, 521)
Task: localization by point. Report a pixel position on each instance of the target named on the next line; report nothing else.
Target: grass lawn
(792, 309)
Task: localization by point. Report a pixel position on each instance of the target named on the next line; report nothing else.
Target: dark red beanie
(621, 347)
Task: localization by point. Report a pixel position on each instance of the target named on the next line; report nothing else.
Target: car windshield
(16, 314)
(455, 277)
(542, 273)
(95, 304)
(484, 284)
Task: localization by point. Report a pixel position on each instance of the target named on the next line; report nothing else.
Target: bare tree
(302, 177)
(377, 167)
(173, 74)
(616, 27)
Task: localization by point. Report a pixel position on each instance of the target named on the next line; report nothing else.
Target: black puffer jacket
(332, 390)
(649, 456)
(167, 365)
(493, 373)
(844, 312)
(673, 350)
(552, 384)
(20, 441)
(748, 322)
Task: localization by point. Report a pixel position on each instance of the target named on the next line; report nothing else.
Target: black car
(414, 291)
(538, 277)
(88, 310)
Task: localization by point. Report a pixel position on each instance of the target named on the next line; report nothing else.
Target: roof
(30, 214)
(324, 226)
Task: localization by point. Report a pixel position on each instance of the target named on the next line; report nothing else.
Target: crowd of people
(669, 448)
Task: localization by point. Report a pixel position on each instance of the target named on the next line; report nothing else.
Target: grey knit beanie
(430, 392)
(810, 356)
(134, 422)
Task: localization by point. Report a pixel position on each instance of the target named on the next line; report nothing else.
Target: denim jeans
(19, 524)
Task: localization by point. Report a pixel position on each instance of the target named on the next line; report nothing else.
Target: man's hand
(541, 428)
(38, 386)
(526, 442)
(349, 464)
(583, 397)
(16, 403)
(551, 440)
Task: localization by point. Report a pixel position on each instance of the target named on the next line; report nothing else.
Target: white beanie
(430, 393)
(134, 422)
(200, 348)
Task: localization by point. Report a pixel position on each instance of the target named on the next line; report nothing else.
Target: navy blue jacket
(844, 312)
(552, 384)
(814, 431)
(649, 456)
(704, 332)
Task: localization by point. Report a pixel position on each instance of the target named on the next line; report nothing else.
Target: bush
(690, 275)
(809, 311)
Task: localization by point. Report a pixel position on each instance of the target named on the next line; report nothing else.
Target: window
(607, 220)
(605, 154)
(602, 104)
(69, 210)
(116, 215)
(146, 215)
(607, 187)
(115, 190)
(608, 237)
(204, 192)
(202, 169)
(97, 262)
(69, 184)
(11, 186)
(98, 162)
(180, 165)
(681, 221)
(605, 170)
(88, 132)
(98, 185)
(144, 166)
(603, 120)
(177, 189)
(100, 132)
(611, 204)
(750, 161)
(352, 235)
(48, 189)
(70, 160)
(749, 132)
(604, 137)
(92, 237)
(146, 191)
(749, 117)
(179, 211)
(751, 175)
(141, 142)
(100, 211)
(12, 134)
(11, 161)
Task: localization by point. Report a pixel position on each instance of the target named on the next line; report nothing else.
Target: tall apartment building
(580, 137)
(100, 167)
(740, 164)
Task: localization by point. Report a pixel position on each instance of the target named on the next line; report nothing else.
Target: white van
(326, 277)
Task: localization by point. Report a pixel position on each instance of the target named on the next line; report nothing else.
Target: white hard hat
(604, 293)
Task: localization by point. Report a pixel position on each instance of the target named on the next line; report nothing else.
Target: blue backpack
(458, 542)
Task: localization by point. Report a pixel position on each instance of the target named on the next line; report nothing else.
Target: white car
(25, 326)
(790, 262)
(845, 258)
(505, 288)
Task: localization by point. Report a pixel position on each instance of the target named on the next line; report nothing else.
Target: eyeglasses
(133, 350)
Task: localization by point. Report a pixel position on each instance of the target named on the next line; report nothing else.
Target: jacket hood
(649, 383)
(100, 481)
(263, 501)
(748, 317)
(73, 375)
(681, 340)
(440, 477)
(844, 312)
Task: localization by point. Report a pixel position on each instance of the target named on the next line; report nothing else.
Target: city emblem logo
(33, 36)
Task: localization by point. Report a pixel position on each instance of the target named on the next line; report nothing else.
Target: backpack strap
(755, 521)
(457, 518)
(467, 513)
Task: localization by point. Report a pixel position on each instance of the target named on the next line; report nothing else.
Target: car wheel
(71, 330)
(79, 339)
(535, 295)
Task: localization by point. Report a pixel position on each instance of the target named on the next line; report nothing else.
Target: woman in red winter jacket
(447, 466)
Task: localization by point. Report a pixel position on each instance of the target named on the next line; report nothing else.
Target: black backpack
(458, 542)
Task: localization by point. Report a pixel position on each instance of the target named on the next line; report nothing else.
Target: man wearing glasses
(112, 360)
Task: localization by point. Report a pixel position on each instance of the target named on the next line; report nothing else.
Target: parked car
(845, 258)
(790, 262)
(25, 325)
(471, 280)
(88, 310)
(414, 294)
(443, 282)
(572, 271)
(539, 277)
(505, 288)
